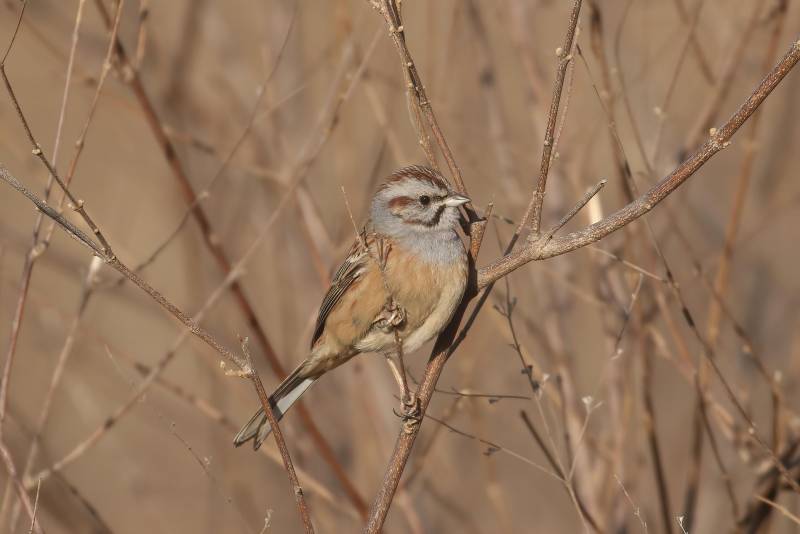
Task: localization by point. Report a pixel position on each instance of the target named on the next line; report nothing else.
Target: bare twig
(556, 466)
(536, 250)
(215, 246)
(782, 509)
(739, 46)
(252, 375)
(243, 363)
(21, 492)
(35, 506)
(565, 56)
(76, 204)
(61, 362)
(391, 13)
(493, 447)
(218, 417)
(652, 440)
(38, 246)
(649, 199)
(636, 510)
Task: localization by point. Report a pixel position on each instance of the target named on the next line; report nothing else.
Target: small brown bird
(409, 260)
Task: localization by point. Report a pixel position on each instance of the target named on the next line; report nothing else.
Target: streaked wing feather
(347, 273)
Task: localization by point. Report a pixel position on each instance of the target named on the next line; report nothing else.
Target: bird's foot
(411, 411)
(390, 317)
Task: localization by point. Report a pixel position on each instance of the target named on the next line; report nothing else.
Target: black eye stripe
(434, 220)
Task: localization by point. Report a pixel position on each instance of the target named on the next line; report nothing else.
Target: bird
(400, 284)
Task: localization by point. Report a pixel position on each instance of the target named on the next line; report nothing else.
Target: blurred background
(258, 115)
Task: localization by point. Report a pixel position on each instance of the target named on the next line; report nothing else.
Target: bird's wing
(353, 267)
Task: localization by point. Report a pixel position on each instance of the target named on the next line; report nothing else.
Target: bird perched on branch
(397, 289)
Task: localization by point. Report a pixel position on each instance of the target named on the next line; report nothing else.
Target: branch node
(243, 372)
(37, 250)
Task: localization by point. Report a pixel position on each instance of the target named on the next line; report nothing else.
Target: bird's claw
(410, 405)
(390, 317)
(411, 410)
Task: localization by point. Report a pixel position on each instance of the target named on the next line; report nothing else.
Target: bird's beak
(455, 200)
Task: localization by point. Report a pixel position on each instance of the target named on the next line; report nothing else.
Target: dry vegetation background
(613, 394)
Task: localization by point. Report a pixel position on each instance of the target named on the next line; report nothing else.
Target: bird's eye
(424, 200)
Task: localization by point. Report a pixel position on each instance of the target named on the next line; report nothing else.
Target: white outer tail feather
(258, 428)
(286, 402)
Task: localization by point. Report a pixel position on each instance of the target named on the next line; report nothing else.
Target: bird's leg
(408, 401)
(398, 376)
(389, 320)
(392, 316)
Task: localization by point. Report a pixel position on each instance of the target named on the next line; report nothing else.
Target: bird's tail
(287, 393)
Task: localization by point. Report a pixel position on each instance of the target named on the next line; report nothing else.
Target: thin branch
(80, 143)
(493, 447)
(334, 103)
(653, 443)
(227, 425)
(636, 510)
(736, 52)
(565, 58)
(252, 374)
(35, 507)
(697, 48)
(391, 13)
(13, 474)
(243, 363)
(782, 509)
(589, 195)
(76, 204)
(556, 466)
(89, 284)
(14, 33)
(535, 250)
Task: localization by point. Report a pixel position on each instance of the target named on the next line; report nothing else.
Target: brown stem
(652, 437)
(697, 48)
(214, 245)
(565, 58)
(276, 431)
(447, 341)
(243, 363)
(535, 250)
(23, 495)
(391, 12)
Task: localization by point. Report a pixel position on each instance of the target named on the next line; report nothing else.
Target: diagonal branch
(244, 363)
(540, 247)
(719, 139)
(565, 58)
(215, 246)
(447, 341)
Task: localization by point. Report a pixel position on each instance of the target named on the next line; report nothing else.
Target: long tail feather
(258, 427)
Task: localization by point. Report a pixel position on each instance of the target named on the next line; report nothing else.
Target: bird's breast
(428, 292)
